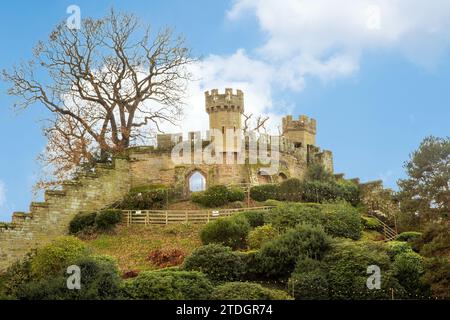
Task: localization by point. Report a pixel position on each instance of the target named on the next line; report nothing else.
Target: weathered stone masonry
(149, 165)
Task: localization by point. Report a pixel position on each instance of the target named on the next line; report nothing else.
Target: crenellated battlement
(228, 101)
(302, 123)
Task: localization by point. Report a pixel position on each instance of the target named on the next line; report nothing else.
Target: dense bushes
(104, 220)
(168, 285)
(147, 197)
(217, 196)
(308, 191)
(81, 222)
(277, 258)
(409, 236)
(107, 219)
(218, 262)
(230, 232)
(265, 192)
(342, 274)
(247, 291)
(408, 268)
(338, 219)
(370, 223)
(60, 254)
(342, 220)
(260, 235)
(254, 218)
(99, 279)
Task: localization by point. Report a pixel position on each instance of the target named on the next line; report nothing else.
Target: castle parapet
(302, 123)
(214, 101)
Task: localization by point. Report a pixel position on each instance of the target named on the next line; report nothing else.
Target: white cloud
(315, 38)
(420, 29)
(237, 71)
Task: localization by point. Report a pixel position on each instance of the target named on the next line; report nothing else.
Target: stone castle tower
(301, 132)
(225, 114)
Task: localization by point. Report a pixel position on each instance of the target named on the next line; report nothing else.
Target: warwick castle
(140, 166)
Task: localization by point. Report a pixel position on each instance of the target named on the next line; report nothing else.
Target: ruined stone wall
(50, 219)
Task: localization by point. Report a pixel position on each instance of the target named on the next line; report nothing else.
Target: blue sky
(375, 75)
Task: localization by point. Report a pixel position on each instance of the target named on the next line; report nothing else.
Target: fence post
(186, 214)
(207, 215)
(167, 217)
(128, 218)
(146, 218)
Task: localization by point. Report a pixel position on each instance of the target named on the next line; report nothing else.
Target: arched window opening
(197, 182)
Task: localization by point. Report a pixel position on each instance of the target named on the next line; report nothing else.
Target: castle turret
(225, 112)
(301, 132)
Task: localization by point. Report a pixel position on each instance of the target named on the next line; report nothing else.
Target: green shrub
(265, 192)
(218, 262)
(168, 285)
(342, 220)
(82, 221)
(371, 223)
(57, 256)
(235, 194)
(99, 280)
(230, 232)
(409, 236)
(273, 203)
(288, 215)
(437, 276)
(147, 197)
(18, 274)
(247, 291)
(346, 270)
(237, 205)
(217, 196)
(291, 190)
(309, 280)
(397, 247)
(254, 218)
(348, 191)
(278, 257)
(408, 268)
(108, 219)
(260, 235)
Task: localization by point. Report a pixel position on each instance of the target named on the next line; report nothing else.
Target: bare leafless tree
(257, 126)
(107, 85)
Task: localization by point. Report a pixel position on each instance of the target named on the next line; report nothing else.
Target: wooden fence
(164, 217)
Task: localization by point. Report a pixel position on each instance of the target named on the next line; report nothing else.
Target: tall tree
(107, 86)
(425, 193)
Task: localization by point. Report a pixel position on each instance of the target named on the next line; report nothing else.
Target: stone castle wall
(50, 219)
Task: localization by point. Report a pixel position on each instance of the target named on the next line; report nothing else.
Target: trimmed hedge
(265, 192)
(57, 256)
(247, 291)
(409, 236)
(338, 219)
(261, 235)
(217, 196)
(168, 285)
(230, 232)
(147, 197)
(107, 219)
(308, 191)
(81, 222)
(277, 258)
(104, 220)
(218, 262)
